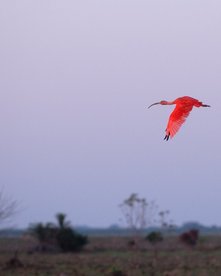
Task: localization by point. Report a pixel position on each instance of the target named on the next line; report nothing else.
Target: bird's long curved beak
(153, 104)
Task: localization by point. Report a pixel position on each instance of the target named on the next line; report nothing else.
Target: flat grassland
(113, 256)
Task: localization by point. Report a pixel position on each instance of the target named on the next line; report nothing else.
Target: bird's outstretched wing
(176, 119)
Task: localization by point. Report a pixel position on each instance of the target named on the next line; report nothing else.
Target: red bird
(182, 110)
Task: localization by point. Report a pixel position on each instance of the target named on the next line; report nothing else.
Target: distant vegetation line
(120, 231)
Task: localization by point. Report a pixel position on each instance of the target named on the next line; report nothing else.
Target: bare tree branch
(138, 213)
(8, 207)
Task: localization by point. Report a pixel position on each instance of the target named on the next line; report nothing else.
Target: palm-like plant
(61, 219)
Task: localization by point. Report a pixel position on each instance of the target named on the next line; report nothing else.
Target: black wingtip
(167, 136)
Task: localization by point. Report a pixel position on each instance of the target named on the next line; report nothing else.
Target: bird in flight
(182, 110)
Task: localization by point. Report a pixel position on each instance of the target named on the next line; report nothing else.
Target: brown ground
(113, 256)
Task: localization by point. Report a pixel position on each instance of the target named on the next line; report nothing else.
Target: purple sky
(75, 80)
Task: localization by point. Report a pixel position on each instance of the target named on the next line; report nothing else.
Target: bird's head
(161, 102)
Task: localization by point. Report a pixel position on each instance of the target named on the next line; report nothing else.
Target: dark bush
(190, 238)
(154, 237)
(131, 243)
(45, 234)
(117, 272)
(68, 240)
(60, 236)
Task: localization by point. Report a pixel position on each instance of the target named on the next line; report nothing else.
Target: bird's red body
(183, 107)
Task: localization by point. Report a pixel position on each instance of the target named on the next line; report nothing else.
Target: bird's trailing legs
(205, 105)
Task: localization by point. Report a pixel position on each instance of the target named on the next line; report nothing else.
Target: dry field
(113, 256)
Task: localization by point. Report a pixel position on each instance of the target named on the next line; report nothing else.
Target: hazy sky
(76, 78)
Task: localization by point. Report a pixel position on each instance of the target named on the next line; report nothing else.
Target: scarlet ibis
(178, 116)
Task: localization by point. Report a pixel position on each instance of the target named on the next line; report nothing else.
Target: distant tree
(138, 213)
(192, 225)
